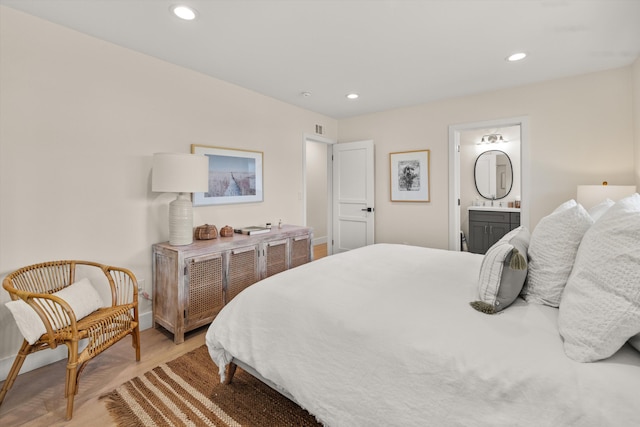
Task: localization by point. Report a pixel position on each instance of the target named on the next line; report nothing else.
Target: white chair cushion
(600, 307)
(81, 297)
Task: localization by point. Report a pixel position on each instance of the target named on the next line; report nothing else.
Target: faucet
(493, 197)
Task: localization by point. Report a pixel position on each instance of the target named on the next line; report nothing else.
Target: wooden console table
(192, 283)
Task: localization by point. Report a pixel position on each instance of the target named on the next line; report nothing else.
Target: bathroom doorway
(465, 146)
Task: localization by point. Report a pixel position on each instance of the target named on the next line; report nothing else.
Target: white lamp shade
(591, 195)
(180, 173)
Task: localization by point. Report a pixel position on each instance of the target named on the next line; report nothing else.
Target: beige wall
(79, 122)
(581, 132)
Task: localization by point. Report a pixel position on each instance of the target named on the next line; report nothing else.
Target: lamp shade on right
(591, 195)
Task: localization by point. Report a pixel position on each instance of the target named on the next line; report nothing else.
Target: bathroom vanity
(487, 224)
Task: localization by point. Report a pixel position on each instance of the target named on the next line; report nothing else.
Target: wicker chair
(102, 328)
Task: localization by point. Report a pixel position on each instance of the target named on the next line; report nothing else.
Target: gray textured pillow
(503, 272)
(552, 252)
(600, 308)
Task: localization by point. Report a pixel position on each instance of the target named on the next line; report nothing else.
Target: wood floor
(37, 397)
(320, 251)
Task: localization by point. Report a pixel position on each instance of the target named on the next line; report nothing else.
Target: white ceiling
(393, 53)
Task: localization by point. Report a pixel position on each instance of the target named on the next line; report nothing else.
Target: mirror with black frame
(493, 173)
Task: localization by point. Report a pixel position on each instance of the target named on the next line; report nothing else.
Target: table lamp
(183, 174)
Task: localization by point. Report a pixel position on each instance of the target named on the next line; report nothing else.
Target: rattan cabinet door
(204, 289)
(242, 271)
(275, 253)
(300, 250)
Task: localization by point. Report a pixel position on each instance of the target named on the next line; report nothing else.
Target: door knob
(367, 210)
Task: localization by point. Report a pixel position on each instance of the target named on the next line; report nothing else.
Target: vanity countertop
(493, 208)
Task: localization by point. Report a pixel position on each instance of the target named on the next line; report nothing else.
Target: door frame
(329, 144)
(454, 171)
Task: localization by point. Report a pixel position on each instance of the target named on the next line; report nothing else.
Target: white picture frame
(235, 176)
(409, 176)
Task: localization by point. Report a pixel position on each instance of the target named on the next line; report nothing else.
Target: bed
(386, 335)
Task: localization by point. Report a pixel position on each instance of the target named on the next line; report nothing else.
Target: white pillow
(598, 210)
(600, 308)
(81, 297)
(552, 251)
(503, 270)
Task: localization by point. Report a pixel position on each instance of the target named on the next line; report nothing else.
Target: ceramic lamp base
(181, 220)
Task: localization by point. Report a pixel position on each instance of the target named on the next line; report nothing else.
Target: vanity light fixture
(492, 138)
(516, 57)
(352, 96)
(184, 12)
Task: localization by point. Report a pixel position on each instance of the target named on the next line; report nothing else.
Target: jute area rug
(187, 392)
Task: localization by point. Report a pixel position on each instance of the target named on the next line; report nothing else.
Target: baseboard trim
(319, 240)
(43, 358)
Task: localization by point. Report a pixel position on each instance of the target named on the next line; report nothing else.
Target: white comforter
(384, 336)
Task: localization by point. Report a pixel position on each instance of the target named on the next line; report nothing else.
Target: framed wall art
(410, 176)
(235, 176)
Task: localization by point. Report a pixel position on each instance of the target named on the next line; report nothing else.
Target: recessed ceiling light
(516, 57)
(184, 12)
(305, 94)
(352, 96)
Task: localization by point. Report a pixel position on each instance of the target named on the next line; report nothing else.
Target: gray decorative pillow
(552, 252)
(503, 272)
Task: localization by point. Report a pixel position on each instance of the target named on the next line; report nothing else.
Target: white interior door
(353, 195)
